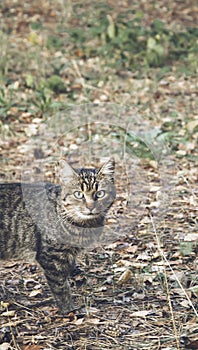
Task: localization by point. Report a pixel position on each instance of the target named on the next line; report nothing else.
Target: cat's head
(88, 193)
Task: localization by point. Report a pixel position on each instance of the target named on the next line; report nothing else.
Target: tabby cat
(52, 222)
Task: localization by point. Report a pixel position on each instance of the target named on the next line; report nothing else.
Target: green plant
(43, 99)
(186, 248)
(136, 145)
(125, 41)
(56, 84)
(6, 100)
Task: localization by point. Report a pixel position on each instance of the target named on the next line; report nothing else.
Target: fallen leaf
(93, 321)
(31, 130)
(8, 313)
(132, 249)
(155, 188)
(191, 237)
(192, 125)
(10, 264)
(144, 256)
(194, 289)
(185, 303)
(78, 321)
(35, 292)
(141, 313)
(92, 310)
(181, 152)
(153, 164)
(4, 305)
(123, 262)
(125, 277)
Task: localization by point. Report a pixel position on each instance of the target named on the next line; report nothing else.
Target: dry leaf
(9, 264)
(194, 289)
(4, 305)
(153, 164)
(92, 310)
(141, 313)
(125, 277)
(78, 321)
(31, 130)
(181, 152)
(192, 125)
(8, 313)
(185, 303)
(123, 262)
(144, 256)
(132, 249)
(35, 292)
(155, 188)
(189, 237)
(93, 321)
(139, 265)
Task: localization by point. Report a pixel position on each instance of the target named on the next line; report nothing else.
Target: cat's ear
(65, 171)
(108, 168)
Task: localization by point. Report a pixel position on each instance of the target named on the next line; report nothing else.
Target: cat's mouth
(89, 215)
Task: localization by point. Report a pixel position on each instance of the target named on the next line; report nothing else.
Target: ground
(84, 81)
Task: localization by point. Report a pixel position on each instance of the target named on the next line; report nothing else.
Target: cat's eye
(78, 194)
(100, 194)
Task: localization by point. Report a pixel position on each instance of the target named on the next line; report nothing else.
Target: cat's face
(87, 194)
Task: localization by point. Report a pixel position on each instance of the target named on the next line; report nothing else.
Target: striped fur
(51, 222)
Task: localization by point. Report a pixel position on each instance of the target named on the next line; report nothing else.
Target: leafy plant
(43, 99)
(135, 144)
(6, 100)
(54, 42)
(56, 84)
(133, 44)
(186, 248)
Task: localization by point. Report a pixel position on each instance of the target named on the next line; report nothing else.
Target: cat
(51, 222)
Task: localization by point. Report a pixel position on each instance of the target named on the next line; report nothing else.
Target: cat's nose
(90, 206)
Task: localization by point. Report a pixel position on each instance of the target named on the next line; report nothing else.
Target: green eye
(100, 194)
(78, 194)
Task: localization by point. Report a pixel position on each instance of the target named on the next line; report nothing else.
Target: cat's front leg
(61, 292)
(58, 262)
